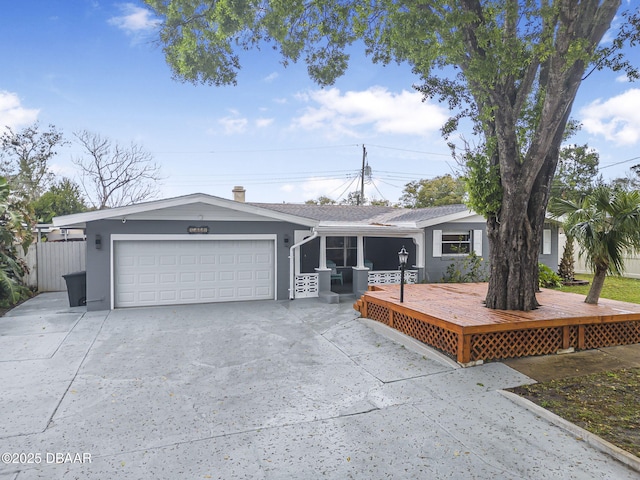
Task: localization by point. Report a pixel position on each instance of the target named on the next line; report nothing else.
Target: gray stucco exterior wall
(99, 260)
(435, 267)
(551, 260)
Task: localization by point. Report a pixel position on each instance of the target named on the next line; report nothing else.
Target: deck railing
(306, 285)
(388, 277)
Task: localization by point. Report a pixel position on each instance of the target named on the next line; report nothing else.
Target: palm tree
(606, 225)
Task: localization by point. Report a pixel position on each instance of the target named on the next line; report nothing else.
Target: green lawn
(615, 288)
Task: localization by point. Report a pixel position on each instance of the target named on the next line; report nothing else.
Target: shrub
(547, 278)
(470, 269)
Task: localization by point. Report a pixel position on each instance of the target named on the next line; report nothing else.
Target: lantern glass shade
(403, 256)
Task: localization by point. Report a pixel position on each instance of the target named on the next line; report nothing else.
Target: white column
(360, 251)
(420, 245)
(323, 253)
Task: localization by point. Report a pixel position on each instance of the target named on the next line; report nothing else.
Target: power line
(410, 151)
(619, 163)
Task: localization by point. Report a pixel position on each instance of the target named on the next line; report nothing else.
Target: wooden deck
(452, 318)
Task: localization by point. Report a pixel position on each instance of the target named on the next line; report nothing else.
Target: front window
(456, 243)
(342, 251)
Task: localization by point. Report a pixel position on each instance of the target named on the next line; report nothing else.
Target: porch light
(403, 257)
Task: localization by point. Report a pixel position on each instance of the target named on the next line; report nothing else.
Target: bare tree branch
(113, 175)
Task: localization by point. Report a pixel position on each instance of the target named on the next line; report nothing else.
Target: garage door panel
(226, 293)
(126, 261)
(207, 276)
(187, 277)
(147, 296)
(164, 272)
(187, 260)
(263, 275)
(168, 260)
(145, 261)
(245, 276)
(167, 296)
(126, 279)
(207, 294)
(262, 259)
(227, 259)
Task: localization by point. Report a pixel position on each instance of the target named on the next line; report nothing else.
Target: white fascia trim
(446, 218)
(122, 212)
(186, 236)
(140, 237)
(351, 230)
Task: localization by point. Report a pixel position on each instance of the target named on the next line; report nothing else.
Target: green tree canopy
(25, 156)
(63, 198)
(577, 172)
(321, 200)
(512, 66)
(442, 190)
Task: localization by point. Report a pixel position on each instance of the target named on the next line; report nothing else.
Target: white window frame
(468, 241)
(345, 248)
(475, 242)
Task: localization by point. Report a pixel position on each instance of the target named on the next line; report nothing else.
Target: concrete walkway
(260, 390)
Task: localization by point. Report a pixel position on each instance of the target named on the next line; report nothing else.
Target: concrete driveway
(262, 390)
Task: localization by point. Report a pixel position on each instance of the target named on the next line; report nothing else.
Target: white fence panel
(31, 259)
(631, 263)
(48, 261)
(307, 285)
(391, 277)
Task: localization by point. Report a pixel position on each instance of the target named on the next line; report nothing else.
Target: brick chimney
(238, 193)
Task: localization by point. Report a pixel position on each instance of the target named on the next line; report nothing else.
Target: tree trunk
(513, 259)
(596, 286)
(515, 234)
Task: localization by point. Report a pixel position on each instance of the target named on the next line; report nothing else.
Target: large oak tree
(512, 66)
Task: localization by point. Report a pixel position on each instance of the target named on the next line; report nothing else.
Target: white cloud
(13, 114)
(386, 112)
(617, 119)
(135, 21)
(264, 122)
(271, 77)
(233, 125)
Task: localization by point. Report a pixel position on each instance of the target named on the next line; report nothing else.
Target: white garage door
(169, 272)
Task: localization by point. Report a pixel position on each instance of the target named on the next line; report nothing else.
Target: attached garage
(176, 269)
(186, 250)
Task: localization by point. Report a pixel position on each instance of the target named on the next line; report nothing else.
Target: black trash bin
(76, 288)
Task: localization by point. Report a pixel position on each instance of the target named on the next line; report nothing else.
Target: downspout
(292, 273)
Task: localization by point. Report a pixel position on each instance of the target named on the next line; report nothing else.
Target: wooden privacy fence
(48, 261)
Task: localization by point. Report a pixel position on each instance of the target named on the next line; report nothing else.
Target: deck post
(464, 348)
(566, 337)
(581, 337)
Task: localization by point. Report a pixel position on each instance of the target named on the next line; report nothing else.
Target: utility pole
(364, 156)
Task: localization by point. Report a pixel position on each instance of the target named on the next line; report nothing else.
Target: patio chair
(335, 275)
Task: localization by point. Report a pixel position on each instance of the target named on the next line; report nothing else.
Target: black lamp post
(403, 256)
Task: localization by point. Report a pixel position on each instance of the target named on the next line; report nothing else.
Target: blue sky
(93, 65)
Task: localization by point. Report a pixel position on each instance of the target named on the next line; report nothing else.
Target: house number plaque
(198, 229)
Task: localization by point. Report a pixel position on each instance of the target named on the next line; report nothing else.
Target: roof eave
(445, 218)
(119, 213)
